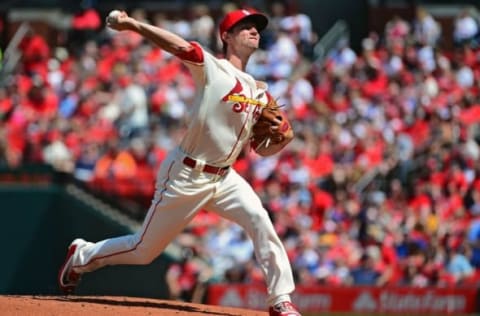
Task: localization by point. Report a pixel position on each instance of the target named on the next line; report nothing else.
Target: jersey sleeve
(195, 55)
(201, 64)
(194, 60)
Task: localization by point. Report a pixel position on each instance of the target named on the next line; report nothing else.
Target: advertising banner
(401, 300)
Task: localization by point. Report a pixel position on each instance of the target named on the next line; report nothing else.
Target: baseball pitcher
(233, 110)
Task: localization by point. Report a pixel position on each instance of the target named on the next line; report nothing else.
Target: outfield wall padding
(38, 222)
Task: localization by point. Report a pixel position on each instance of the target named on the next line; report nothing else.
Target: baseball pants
(180, 193)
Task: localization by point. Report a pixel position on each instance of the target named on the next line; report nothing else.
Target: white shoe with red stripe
(67, 278)
(284, 309)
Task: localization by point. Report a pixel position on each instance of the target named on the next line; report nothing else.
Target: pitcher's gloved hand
(271, 126)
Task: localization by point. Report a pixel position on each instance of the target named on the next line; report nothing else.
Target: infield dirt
(110, 306)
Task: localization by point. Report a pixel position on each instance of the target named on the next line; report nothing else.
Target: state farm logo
(427, 301)
(396, 301)
(231, 298)
(365, 302)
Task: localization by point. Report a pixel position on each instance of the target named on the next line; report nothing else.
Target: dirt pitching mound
(110, 306)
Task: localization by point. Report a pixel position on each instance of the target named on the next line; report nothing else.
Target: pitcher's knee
(145, 254)
(263, 219)
(261, 222)
(143, 257)
(145, 260)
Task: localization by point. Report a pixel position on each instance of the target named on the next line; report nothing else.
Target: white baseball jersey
(229, 102)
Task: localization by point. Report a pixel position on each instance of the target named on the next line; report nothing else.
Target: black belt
(221, 171)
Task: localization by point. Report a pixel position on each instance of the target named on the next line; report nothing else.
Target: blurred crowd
(381, 185)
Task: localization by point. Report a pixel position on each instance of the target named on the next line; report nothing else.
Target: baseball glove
(271, 126)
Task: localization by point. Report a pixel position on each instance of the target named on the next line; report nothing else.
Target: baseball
(113, 16)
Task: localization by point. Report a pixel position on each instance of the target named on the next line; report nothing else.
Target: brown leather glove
(270, 127)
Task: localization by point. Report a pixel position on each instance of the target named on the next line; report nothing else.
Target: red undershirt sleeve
(194, 55)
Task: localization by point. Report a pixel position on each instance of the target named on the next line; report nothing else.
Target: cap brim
(260, 20)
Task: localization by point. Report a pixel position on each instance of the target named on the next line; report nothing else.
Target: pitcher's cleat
(67, 278)
(284, 309)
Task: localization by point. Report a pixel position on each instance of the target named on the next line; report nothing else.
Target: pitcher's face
(244, 35)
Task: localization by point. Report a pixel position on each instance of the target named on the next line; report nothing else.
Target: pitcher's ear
(224, 36)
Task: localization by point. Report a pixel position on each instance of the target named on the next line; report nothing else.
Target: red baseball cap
(233, 17)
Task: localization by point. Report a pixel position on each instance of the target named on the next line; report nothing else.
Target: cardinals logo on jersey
(241, 103)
